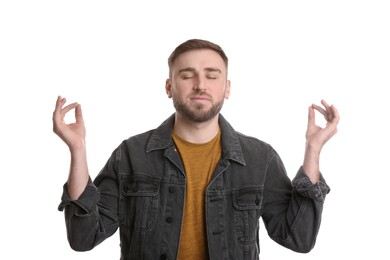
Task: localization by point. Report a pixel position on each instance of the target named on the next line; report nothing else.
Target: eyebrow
(189, 69)
(213, 70)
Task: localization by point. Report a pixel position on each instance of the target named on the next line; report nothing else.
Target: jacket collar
(161, 138)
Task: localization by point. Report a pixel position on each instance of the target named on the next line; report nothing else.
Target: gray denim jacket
(141, 190)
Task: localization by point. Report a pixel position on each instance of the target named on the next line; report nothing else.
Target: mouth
(200, 101)
(200, 98)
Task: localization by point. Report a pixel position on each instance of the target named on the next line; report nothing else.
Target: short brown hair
(196, 44)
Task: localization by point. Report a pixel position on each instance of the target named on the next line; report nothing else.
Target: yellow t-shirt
(199, 162)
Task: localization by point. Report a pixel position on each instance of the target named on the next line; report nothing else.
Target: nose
(199, 85)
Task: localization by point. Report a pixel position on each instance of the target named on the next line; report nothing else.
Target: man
(193, 188)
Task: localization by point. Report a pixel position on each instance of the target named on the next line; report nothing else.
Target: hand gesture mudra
(317, 136)
(72, 134)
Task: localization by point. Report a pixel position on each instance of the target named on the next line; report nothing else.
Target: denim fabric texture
(141, 191)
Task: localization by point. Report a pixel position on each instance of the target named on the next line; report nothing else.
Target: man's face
(198, 85)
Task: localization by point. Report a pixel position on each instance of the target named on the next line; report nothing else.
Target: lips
(200, 98)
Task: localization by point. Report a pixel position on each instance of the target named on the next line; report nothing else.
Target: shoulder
(252, 141)
(252, 146)
(141, 138)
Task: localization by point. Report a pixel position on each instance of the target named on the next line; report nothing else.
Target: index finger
(59, 104)
(335, 114)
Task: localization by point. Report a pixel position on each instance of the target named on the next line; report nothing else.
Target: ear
(168, 87)
(227, 90)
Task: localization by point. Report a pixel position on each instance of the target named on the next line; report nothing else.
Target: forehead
(199, 59)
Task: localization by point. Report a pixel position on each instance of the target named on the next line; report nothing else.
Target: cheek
(178, 91)
(223, 90)
(184, 87)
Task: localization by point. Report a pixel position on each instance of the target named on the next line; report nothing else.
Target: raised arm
(73, 135)
(317, 136)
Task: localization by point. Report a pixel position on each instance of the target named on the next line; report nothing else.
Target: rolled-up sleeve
(306, 188)
(87, 201)
(93, 217)
(292, 209)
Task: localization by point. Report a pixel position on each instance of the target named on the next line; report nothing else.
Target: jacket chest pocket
(247, 204)
(139, 202)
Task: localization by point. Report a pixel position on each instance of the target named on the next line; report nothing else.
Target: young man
(193, 188)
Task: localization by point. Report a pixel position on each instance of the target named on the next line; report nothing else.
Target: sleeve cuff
(86, 202)
(304, 186)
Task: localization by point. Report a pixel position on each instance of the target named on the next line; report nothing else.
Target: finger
(68, 108)
(57, 111)
(329, 114)
(319, 109)
(335, 114)
(79, 114)
(331, 126)
(59, 103)
(311, 117)
(325, 104)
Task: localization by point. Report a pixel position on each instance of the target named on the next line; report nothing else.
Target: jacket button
(169, 219)
(172, 189)
(163, 257)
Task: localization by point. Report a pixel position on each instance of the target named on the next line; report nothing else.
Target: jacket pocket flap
(248, 198)
(140, 186)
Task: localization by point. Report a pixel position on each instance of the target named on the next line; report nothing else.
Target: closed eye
(212, 76)
(187, 73)
(213, 73)
(187, 76)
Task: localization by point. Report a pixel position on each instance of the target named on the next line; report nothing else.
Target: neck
(194, 132)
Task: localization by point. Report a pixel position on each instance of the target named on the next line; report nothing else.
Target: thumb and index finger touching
(329, 112)
(331, 116)
(60, 111)
(68, 132)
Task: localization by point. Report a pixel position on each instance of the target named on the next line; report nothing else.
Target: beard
(197, 113)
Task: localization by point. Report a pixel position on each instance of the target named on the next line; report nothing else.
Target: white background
(110, 56)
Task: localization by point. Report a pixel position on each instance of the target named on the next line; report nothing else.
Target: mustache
(200, 94)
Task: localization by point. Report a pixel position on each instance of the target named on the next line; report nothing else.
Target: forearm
(311, 163)
(78, 174)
